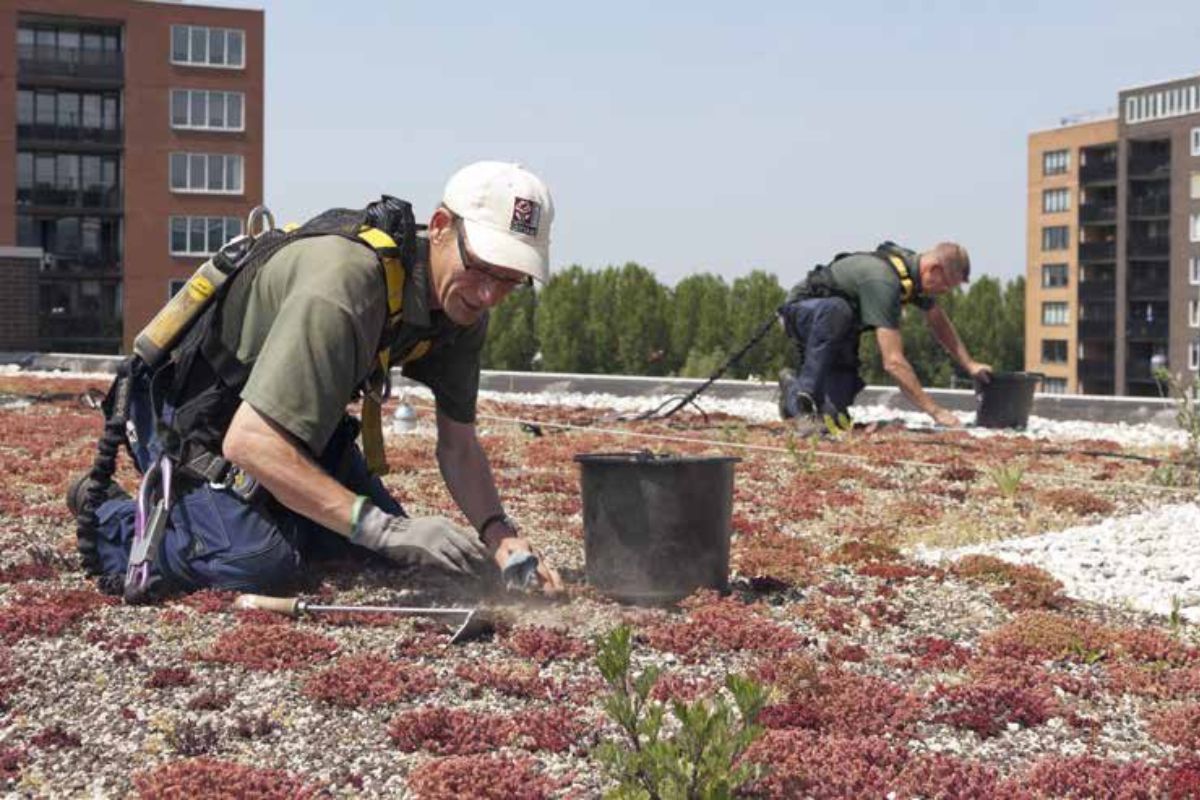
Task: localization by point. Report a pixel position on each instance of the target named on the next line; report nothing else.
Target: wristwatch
(498, 517)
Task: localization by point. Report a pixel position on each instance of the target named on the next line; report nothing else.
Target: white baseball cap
(506, 212)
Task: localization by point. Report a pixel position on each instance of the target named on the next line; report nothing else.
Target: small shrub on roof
(1154, 681)
(889, 571)
(270, 647)
(960, 472)
(220, 780)
(255, 726)
(481, 777)
(368, 680)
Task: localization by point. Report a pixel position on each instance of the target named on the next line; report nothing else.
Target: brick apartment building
(131, 146)
(1113, 267)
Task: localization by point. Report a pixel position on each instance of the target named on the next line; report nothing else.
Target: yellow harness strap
(372, 407)
(907, 287)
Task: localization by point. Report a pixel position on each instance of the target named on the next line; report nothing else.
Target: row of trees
(621, 320)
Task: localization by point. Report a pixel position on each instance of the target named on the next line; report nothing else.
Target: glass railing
(67, 133)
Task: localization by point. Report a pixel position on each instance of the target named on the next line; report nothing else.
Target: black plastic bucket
(1006, 400)
(656, 528)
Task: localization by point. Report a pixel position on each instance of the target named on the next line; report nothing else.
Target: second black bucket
(1006, 400)
(655, 527)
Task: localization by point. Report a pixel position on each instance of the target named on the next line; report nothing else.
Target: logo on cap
(526, 216)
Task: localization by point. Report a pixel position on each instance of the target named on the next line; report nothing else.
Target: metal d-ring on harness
(690, 398)
(153, 505)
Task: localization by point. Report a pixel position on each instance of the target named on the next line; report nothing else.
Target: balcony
(78, 263)
(79, 326)
(40, 61)
(94, 199)
(1103, 329)
(1149, 287)
(1096, 369)
(1093, 213)
(30, 133)
(1098, 171)
(1143, 329)
(1098, 289)
(1148, 247)
(1150, 206)
(1150, 166)
(1098, 251)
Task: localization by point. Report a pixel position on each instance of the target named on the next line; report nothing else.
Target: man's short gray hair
(954, 259)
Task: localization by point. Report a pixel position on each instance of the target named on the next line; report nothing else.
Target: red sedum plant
(213, 779)
(480, 777)
(270, 647)
(368, 680)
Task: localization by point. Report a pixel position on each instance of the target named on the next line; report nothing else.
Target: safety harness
(194, 394)
(820, 283)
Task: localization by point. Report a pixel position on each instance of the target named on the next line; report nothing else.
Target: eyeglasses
(469, 263)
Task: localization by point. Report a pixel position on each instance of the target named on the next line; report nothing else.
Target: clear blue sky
(694, 136)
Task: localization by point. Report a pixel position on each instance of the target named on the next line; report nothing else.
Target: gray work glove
(420, 541)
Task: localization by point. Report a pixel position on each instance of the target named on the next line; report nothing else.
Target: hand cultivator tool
(474, 622)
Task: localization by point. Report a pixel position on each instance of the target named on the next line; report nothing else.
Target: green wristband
(356, 514)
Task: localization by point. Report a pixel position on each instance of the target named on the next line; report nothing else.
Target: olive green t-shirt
(311, 335)
(311, 330)
(875, 286)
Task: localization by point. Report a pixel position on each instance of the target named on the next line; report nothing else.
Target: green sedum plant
(1187, 410)
(1007, 478)
(697, 756)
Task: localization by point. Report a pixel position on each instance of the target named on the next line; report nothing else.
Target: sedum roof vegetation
(978, 679)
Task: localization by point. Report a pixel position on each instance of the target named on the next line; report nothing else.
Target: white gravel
(1127, 435)
(1146, 562)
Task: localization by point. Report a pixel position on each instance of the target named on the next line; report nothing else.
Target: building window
(1055, 200)
(1194, 271)
(202, 236)
(1194, 227)
(174, 286)
(1055, 237)
(1194, 313)
(1054, 314)
(198, 46)
(1194, 356)
(1054, 276)
(1054, 385)
(206, 173)
(1196, 141)
(200, 109)
(1055, 162)
(1054, 351)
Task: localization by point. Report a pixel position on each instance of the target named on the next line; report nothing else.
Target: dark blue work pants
(825, 330)
(216, 540)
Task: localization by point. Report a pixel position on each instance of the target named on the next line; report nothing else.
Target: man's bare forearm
(285, 468)
(947, 336)
(907, 380)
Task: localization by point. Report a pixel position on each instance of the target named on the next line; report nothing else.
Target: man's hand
(420, 541)
(504, 542)
(945, 418)
(980, 372)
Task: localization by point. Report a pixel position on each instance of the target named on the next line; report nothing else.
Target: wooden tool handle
(289, 606)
